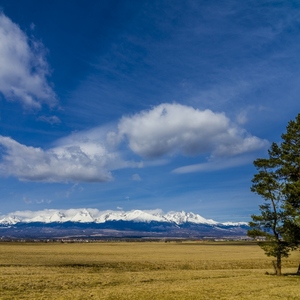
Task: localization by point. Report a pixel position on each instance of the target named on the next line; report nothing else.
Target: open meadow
(143, 270)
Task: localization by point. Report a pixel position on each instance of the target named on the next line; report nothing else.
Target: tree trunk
(277, 265)
(298, 272)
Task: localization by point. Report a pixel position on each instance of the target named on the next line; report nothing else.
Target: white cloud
(169, 129)
(77, 163)
(80, 157)
(165, 130)
(23, 67)
(93, 139)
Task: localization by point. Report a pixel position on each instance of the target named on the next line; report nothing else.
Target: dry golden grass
(143, 271)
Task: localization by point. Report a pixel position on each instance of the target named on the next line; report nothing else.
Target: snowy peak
(134, 215)
(9, 220)
(183, 217)
(57, 217)
(96, 216)
(82, 216)
(142, 216)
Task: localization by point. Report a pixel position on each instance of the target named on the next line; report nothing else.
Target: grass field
(149, 270)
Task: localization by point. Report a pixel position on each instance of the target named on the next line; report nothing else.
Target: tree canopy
(278, 183)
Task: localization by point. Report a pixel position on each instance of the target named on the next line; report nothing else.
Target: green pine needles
(278, 183)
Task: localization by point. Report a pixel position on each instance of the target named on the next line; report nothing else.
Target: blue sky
(143, 104)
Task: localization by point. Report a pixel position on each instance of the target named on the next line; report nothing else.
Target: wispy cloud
(49, 119)
(39, 201)
(74, 188)
(23, 67)
(136, 177)
(214, 165)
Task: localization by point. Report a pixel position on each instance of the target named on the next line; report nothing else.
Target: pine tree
(278, 182)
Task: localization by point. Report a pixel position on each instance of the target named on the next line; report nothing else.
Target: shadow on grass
(292, 274)
(115, 266)
(284, 274)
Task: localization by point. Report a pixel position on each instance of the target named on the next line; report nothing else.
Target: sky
(136, 104)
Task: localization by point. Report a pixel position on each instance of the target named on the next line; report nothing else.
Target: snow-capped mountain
(96, 216)
(183, 217)
(94, 224)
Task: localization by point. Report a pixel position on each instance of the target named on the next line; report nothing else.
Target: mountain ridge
(91, 215)
(89, 223)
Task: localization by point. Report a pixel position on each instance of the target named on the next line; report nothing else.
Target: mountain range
(95, 224)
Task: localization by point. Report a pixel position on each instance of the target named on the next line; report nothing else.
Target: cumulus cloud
(23, 67)
(80, 157)
(165, 130)
(169, 129)
(77, 163)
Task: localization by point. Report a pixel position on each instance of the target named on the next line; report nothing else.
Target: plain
(143, 270)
